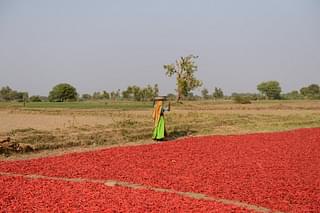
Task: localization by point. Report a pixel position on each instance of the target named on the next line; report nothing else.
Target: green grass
(189, 105)
(120, 105)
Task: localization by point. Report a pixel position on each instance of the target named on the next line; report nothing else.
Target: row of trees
(270, 90)
(216, 94)
(66, 92)
(141, 94)
(184, 70)
(8, 94)
(131, 93)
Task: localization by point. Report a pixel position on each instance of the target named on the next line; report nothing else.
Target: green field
(123, 105)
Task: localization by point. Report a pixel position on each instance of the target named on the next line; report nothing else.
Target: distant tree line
(141, 94)
(183, 70)
(216, 94)
(134, 93)
(269, 90)
(8, 94)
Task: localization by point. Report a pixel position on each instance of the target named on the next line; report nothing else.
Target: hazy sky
(106, 45)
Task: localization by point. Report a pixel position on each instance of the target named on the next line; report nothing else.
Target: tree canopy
(63, 92)
(8, 94)
(140, 94)
(218, 93)
(205, 93)
(270, 89)
(184, 69)
(312, 91)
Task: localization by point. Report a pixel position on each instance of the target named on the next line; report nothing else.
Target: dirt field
(77, 128)
(11, 120)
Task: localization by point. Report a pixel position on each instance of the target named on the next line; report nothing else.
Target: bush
(35, 98)
(242, 100)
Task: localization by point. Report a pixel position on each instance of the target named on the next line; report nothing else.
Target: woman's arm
(166, 108)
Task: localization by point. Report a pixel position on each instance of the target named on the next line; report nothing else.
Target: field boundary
(115, 183)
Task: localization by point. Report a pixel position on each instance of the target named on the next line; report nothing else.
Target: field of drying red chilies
(241, 173)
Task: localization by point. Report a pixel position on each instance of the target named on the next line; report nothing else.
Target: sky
(108, 45)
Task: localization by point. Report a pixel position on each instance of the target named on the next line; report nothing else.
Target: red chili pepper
(276, 170)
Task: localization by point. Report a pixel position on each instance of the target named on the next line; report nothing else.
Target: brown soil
(14, 120)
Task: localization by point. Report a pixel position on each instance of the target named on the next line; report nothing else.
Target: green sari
(159, 131)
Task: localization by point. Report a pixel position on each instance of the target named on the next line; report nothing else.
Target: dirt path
(113, 183)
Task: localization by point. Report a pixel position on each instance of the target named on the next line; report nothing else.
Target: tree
(63, 92)
(126, 94)
(140, 94)
(115, 94)
(312, 91)
(205, 93)
(96, 96)
(270, 89)
(137, 93)
(7, 94)
(304, 91)
(23, 97)
(100, 95)
(184, 70)
(86, 97)
(149, 92)
(105, 95)
(218, 93)
(35, 98)
(132, 93)
(293, 95)
(155, 90)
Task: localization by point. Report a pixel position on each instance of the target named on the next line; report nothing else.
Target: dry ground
(65, 129)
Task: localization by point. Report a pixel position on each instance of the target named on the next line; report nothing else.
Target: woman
(159, 131)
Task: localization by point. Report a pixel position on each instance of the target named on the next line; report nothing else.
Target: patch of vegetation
(242, 99)
(127, 123)
(17, 131)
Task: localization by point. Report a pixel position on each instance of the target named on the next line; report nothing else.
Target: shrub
(35, 98)
(242, 99)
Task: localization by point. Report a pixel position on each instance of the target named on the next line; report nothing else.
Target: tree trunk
(178, 88)
(178, 96)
